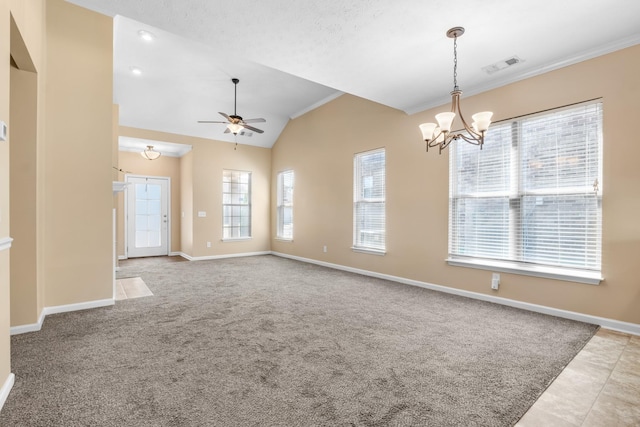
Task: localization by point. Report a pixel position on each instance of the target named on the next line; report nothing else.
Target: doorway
(147, 218)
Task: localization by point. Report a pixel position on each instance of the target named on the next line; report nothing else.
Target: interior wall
(165, 166)
(5, 321)
(78, 201)
(417, 187)
(186, 203)
(207, 161)
(23, 189)
(21, 36)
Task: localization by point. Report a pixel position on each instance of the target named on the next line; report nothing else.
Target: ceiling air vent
(501, 65)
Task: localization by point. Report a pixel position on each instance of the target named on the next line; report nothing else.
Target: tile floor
(600, 387)
(131, 288)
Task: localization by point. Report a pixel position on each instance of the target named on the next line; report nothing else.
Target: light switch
(3, 131)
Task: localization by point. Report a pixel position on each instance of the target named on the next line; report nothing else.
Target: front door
(147, 220)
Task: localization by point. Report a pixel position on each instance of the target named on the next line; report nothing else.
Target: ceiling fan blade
(210, 121)
(226, 130)
(224, 115)
(254, 120)
(251, 128)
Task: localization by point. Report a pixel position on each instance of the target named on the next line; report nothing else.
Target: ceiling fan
(236, 123)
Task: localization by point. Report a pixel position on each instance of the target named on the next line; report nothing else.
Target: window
(285, 205)
(368, 201)
(531, 199)
(236, 205)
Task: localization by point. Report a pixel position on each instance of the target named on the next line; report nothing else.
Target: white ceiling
(291, 56)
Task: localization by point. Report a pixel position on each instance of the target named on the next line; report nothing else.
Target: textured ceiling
(293, 55)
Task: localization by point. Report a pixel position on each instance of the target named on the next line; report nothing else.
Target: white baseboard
(616, 325)
(204, 258)
(5, 243)
(6, 388)
(34, 327)
(123, 257)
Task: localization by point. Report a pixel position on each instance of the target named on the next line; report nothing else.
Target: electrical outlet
(324, 249)
(495, 281)
(208, 244)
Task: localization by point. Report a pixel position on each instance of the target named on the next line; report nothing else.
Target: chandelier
(440, 135)
(150, 154)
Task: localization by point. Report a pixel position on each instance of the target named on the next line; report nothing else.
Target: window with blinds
(368, 201)
(532, 195)
(236, 205)
(285, 205)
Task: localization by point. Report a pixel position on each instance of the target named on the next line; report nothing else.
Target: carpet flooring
(267, 341)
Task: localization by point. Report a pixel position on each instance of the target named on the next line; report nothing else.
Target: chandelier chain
(455, 63)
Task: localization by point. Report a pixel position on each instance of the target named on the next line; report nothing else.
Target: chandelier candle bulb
(427, 130)
(482, 120)
(445, 120)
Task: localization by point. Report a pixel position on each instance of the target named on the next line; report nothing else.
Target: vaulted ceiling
(292, 56)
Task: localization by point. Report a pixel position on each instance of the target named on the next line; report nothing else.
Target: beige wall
(165, 166)
(209, 161)
(5, 362)
(186, 203)
(23, 188)
(78, 201)
(201, 176)
(319, 147)
(21, 35)
(60, 192)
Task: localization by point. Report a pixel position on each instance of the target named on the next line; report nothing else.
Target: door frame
(126, 210)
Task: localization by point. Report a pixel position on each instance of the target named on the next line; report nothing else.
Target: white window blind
(369, 200)
(236, 204)
(532, 195)
(285, 205)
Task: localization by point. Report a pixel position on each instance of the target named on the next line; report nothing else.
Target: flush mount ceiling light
(150, 154)
(440, 135)
(146, 35)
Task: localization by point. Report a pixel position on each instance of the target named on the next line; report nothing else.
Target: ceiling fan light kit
(236, 123)
(440, 135)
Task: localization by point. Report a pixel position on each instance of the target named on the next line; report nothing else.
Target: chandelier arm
(472, 140)
(456, 100)
(444, 144)
(448, 139)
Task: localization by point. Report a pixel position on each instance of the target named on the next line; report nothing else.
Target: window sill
(236, 239)
(557, 273)
(282, 239)
(369, 251)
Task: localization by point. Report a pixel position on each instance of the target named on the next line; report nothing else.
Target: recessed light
(135, 70)
(146, 35)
